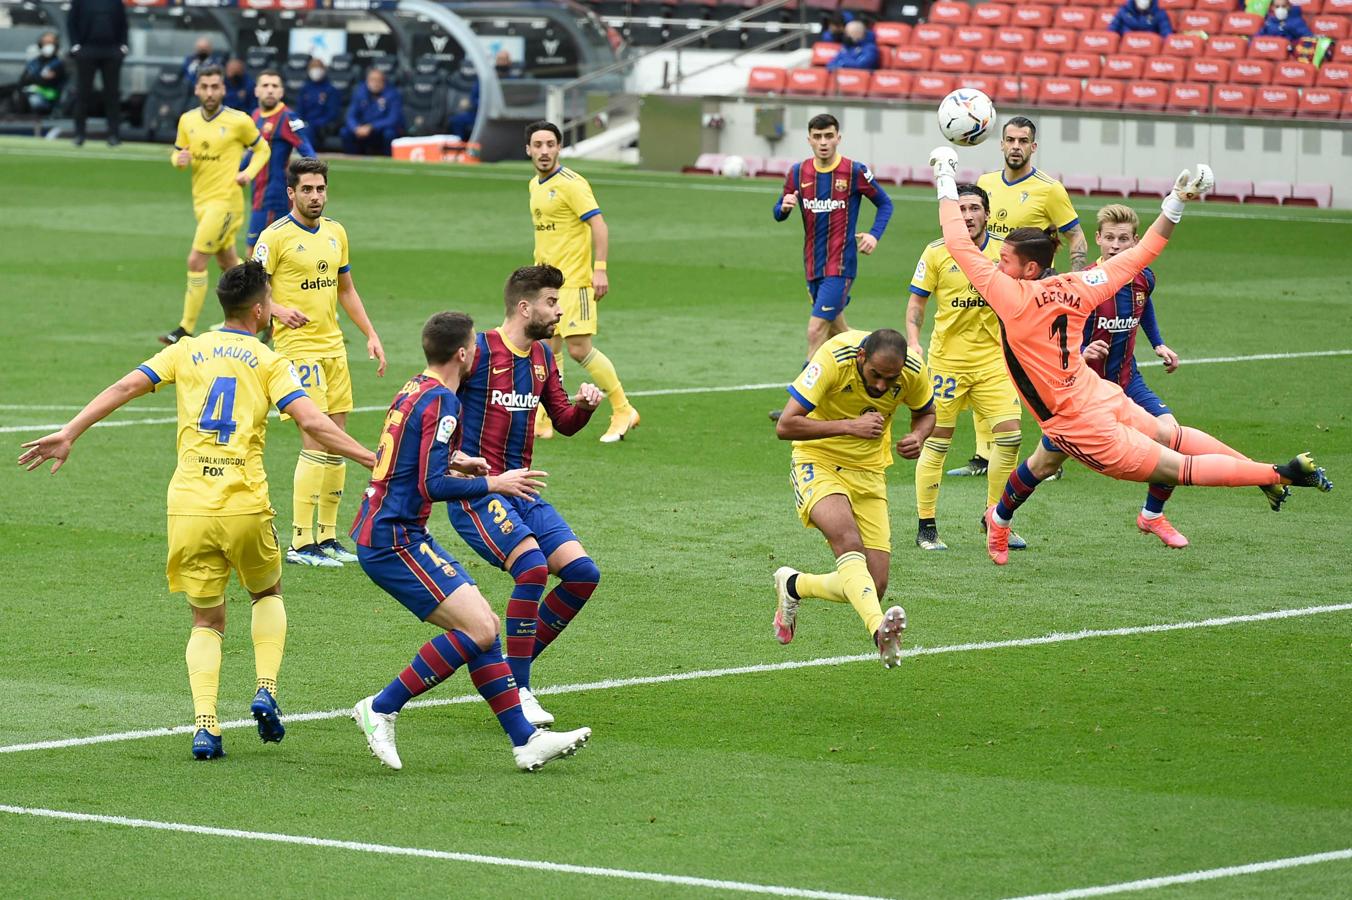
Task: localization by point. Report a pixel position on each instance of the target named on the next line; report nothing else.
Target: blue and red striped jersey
(417, 442)
(284, 131)
(829, 203)
(1115, 321)
(499, 400)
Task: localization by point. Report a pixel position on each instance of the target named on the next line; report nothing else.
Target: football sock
(1191, 442)
(602, 373)
(1155, 498)
(1004, 457)
(330, 496)
(823, 587)
(204, 675)
(436, 661)
(577, 581)
(268, 630)
(306, 488)
(857, 585)
(1020, 486)
(985, 439)
(493, 677)
(1215, 470)
(193, 298)
(929, 469)
(530, 571)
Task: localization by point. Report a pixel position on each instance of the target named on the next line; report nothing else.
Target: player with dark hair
(1083, 415)
(839, 417)
(513, 375)
(284, 131)
(418, 463)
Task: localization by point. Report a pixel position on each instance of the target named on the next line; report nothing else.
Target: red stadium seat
(807, 82)
(1102, 93)
(1335, 75)
(892, 34)
(852, 82)
(1198, 20)
(892, 85)
(1335, 7)
(946, 13)
(932, 85)
(1347, 106)
(1273, 192)
(987, 84)
(1172, 5)
(1226, 46)
(1103, 19)
(1115, 186)
(1057, 91)
(1184, 45)
(991, 14)
(911, 59)
(1342, 52)
(1209, 71)
(1335, 27)
(1084, 184)
(1233, 99)
(1142, 43)
(994, 62)
(776, 167)
(1189, 97)
(1035, 62)
(1019, 88)
(1076, 18)
(1055, 40)
(952, 60)
(931, 35)
(1165, 68)
(1031, 16)
(1079, 65)
(890, 173)
(1121, 66)
(1099, 42)
(1320, 195)
(974, 37)
(1153, 187)
(1251, 71)
(1145, 95)
(766, 80)
(1243, 23)
(1013, 39)
(870, 7)
(1292, 72)
(1269, 47)
(1233, 190)
(1320, 102)
(1220, 6)
(1275, 100)
(824, 52)
(711, 163)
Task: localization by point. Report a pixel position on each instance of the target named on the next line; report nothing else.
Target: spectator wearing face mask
(860, 50)
(1141, 15)
(202, 55)
(375, 117)
(44, 76)
(319, 104)
(1286, 21)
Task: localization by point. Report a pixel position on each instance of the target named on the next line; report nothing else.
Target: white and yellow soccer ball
(966, 116)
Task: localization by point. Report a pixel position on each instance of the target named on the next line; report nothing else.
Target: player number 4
(218, 412)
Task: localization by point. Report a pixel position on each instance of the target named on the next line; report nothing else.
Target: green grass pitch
(996, 772)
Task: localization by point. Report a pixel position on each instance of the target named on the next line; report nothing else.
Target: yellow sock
(193, 298)
(204, 676)
(269, 640)
(929, 470)
(823, 587)
(1002, 463)
(306, 488)
(602, 373)
(330, 496)
(985, 440)
(858, 587)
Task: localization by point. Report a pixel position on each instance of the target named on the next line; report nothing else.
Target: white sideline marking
(665, 392)
(612, 683)
(718, 884)
(1146, 884)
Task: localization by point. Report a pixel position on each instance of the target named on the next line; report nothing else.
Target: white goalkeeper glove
(944, 161)
(1187, 187)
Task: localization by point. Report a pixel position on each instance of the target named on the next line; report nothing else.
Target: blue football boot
(268, 716)
(206, 745)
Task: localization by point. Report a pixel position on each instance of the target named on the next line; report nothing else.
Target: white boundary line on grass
(613, 683)
(479, 859)
(1146, 884)
(667, 392)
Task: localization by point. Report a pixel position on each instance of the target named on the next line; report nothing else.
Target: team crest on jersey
(445, 428)
(267, 129)
(333, 242)
(553, 193)
(1023, 198)
(841, 184)
(1138, 300)
(539, 372)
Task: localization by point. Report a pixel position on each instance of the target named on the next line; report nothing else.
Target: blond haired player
(305, 253)
(220, 517)
(839, 417)
(966, 365)
(211, 140)
(569, 230)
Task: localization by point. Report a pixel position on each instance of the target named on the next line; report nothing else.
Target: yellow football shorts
(327, 381)
(203, 550)
(866, 491)
(989, 394)
(579, 311)
(217, 225)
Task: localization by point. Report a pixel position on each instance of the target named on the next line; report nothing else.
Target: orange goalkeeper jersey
(1041, 321)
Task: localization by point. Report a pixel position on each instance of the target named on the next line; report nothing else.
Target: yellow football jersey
(966, 334)
(560, 206)
(226, 381)
(305, 264)
(1034, 201)
(217, 145)
(832, 389)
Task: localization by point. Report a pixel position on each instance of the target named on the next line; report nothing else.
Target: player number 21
(218, 412)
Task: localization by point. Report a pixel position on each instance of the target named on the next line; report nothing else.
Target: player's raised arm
(995, 287)
(56, 446)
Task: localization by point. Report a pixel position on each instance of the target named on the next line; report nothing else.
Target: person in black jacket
(98, 41)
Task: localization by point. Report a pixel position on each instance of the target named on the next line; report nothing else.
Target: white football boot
(889, 636)
(535, 714)
(786, 610)
(545, 746)
(379, 731)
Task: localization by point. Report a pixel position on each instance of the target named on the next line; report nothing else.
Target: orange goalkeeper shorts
(1111, 435)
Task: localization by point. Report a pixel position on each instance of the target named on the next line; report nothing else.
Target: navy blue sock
(1020, 486)
(530, 572)
(1157, 496)
(436, 661)
(493, 678)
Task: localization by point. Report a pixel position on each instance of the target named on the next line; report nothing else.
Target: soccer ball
(965, 116)
(734, 167)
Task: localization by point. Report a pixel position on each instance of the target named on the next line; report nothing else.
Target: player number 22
(944, 387)
(218, 412)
